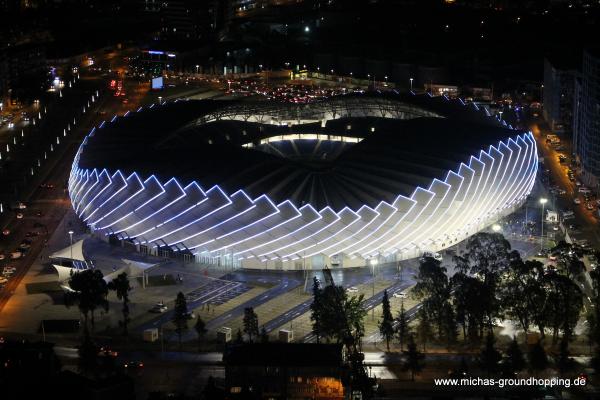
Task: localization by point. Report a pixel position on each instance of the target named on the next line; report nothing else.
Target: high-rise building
(191, 20)
(586, 121)
(559, 80)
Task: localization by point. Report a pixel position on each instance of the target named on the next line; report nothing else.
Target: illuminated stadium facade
(271, 185)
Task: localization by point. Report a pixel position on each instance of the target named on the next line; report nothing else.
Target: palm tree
(121, 287)
(89, 293)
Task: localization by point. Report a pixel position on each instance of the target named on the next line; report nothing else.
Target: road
(53, 203)
(50, 203)
(588, 220)
(284, 285)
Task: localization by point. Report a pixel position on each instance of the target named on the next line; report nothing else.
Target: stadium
(263, 184)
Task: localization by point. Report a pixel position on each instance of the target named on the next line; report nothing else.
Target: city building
(340, 182)
(586, 121)
(22, 64)
(558, 92)
(190, 20)
(284, 371)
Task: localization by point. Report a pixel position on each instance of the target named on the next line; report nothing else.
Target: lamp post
(71, 239)
(373, 263)
(543, 201)
(411, 84)
(496, 228)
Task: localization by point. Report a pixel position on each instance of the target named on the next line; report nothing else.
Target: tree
(514, 360)
(264, 336)
(593, 315)
(538, 360)
(414, 358)
(212, 391)
(180, 316)
(239, 337)
(564, 302)
(564, 362)
(386, 325)
(402, 326)
(341, 317)
(316, 309)
(595, 362)
(424, 331)
(523, 296)
(250, 323)
(469, 313)
(433, 289)
(121, 287)
(490, 356)
(449, 327)
(88, 355)
(488, 256)
(89, 293)
(200, 328)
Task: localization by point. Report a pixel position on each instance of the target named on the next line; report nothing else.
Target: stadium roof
(214, 143)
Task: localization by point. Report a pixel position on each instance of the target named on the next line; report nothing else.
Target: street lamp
(197, 66)
(496, 228)
(71, 239)
(411, 83)
(373, 263)
(543, 201)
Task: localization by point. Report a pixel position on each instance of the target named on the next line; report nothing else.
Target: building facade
(558, 95)
(284, 371)
(587, 119)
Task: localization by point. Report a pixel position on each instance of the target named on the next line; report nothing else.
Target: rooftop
(323, 167)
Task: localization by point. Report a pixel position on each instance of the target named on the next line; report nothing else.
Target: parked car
(577, 201)
(352, 289)
(190, 315)
(400, 295)
(159, 308)
(107, 352)
(133, 365)
(16, 254)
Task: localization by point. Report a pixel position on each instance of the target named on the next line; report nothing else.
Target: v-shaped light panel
(210, 222)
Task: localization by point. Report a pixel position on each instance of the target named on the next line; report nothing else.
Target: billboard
(157, 83)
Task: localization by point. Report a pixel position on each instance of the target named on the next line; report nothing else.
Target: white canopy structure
(73, 256)
(132, 268)
(64, 273)
(73, 252)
